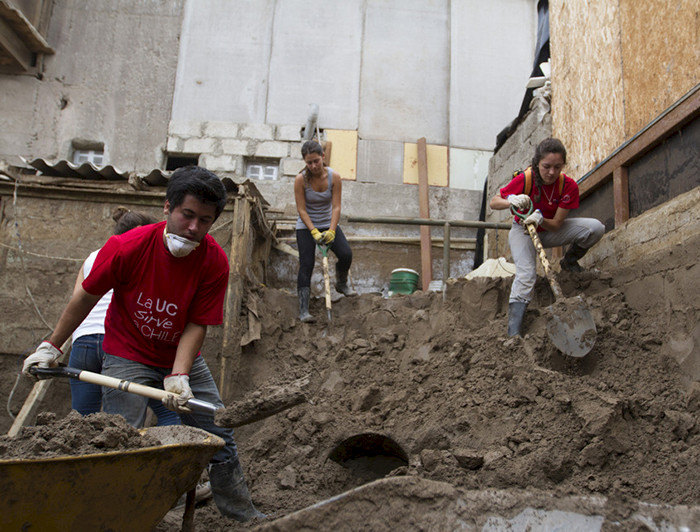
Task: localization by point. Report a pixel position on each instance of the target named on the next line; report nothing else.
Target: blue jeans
(133, 407)
(86, 353)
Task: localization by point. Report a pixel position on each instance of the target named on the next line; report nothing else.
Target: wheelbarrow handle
(118, 384)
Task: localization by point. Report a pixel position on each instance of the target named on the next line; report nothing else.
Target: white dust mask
(179, 246)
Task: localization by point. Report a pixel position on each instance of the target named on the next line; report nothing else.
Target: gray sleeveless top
(319, 205)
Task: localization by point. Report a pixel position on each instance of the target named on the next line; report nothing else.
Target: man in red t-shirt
(552, 200)
(169, 281)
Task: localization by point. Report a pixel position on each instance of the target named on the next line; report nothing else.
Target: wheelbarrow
(120, 490)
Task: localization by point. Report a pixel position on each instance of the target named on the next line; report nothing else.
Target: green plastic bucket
(403, 281)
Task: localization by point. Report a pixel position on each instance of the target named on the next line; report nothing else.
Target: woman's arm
(300, 199)
(335, 200)
(554, 224)
(497, 203)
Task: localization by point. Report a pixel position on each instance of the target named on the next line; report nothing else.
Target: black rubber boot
(341, 285)
(231, 492)
(571, 258)
(516, 313)
(304, 294)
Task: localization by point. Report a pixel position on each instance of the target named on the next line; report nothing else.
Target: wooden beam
(673, 119)
(30, 408)
(327, 151)
(238, 265)
(424, 205)
(621, 195)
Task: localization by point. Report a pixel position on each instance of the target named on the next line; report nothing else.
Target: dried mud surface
(434, 389)
(73, 435)
(469, 406)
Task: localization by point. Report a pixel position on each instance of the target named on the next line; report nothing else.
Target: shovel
(326, 280)
(570, 327)
(117, 384)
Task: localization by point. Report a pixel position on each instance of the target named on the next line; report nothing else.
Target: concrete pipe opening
(369, 456)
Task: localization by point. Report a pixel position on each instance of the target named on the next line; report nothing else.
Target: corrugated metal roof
(88, 171)
(64, 168)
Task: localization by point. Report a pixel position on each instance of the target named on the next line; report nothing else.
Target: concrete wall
(515, 154)
(392, 71)
(110, 81)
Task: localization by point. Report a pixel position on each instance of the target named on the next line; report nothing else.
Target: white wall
(395, 70)
(492, 53)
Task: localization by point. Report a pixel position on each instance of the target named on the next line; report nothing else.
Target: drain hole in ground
(369, 456)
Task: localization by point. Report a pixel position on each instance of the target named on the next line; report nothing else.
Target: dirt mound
(73, 435)
(414, 385)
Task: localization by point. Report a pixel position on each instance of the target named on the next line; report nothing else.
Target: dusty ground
(413, 386)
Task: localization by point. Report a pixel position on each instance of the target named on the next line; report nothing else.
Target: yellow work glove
(327, 237)
(318, 236)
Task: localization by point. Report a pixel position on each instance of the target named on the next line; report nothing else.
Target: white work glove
(535, 218)
(45, 356)
(180, 392)
(520, 201)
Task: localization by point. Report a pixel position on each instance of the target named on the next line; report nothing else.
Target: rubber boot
(304, 294)
(341, 285)
(571, 258)
(516, 313)
(231, 492)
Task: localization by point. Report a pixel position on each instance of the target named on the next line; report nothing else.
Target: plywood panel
(437, 164)
(660, 54)
(588, 111)
(344, 153)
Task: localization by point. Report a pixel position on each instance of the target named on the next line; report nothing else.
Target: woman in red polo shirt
(553, 195)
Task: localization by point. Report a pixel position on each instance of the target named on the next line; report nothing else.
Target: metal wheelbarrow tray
(119, 490)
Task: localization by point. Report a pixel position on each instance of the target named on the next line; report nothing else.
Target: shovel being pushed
(117, 384)
(570, 327)
(326, 279)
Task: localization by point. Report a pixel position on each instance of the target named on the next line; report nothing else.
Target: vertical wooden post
(424, 204)
(327, 151)
(238, 265)
(621, 195)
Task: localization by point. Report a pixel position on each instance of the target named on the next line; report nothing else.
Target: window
(174, 162)
(262, 170)
(95, 157)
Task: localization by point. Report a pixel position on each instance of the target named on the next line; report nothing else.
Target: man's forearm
(190, 343)
(79, 306)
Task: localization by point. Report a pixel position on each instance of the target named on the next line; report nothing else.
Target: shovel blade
(571, 327)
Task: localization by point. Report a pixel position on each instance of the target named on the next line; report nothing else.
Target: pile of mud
(73, 435)
(418, 386)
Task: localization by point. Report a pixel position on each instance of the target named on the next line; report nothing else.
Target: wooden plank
(424, 205)
(667, 124)
(31, 405)
(327, 152)
(621, 195)
(238, 264)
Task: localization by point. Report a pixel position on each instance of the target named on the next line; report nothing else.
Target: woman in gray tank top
(317, 191)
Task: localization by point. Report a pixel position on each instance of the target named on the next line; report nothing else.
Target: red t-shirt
(546, 198)
(155, 293)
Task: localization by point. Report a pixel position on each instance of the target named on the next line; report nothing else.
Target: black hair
(199, 183)
(126, 220)
(550, 145)
(310, 146)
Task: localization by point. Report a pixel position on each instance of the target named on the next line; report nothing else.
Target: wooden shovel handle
(558, 294)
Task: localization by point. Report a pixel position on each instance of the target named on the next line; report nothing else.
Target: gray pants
(583, 231)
